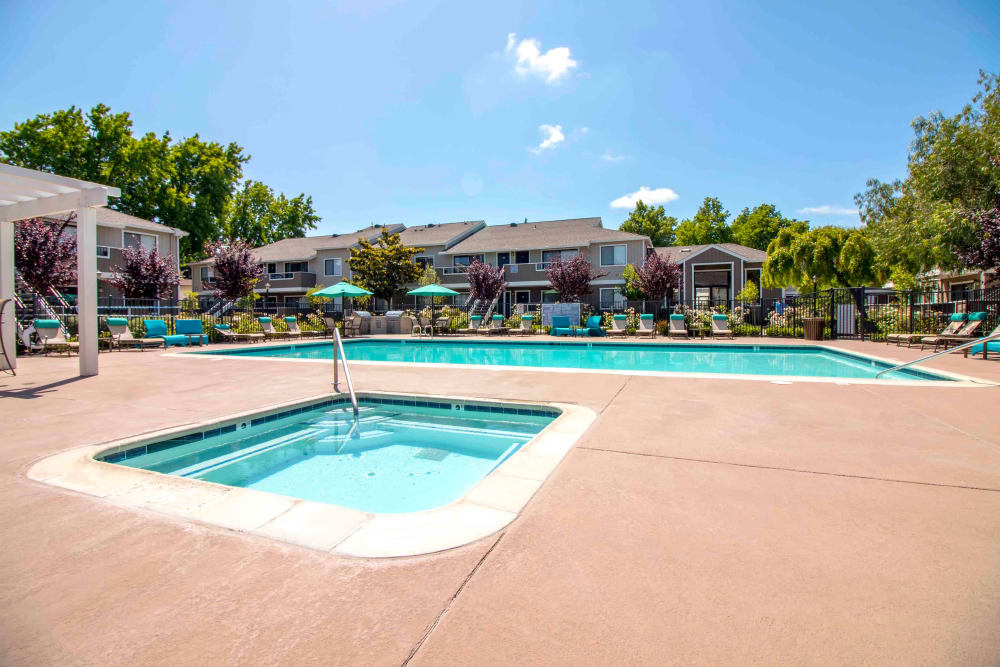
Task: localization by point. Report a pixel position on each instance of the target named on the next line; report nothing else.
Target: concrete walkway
(698, 521)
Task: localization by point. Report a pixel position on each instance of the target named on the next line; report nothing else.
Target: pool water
(399, 456)
(733, 359)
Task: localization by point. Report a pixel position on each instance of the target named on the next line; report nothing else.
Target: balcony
(303, 279)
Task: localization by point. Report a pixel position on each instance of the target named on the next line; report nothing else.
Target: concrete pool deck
(698, 520)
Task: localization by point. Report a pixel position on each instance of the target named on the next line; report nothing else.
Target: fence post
(864, 311)
(913, 295)
(833, 316)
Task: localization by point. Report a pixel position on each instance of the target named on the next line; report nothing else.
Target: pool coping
(954, 379)
(489, 506)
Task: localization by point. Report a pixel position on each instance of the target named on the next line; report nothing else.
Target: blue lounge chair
(193, 329)
(560, 326)
(991, 346)
(158, 329)
(593, 326)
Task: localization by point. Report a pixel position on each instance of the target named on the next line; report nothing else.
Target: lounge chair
(193, 329)
(677, 326)
(560, 326)
(158, 329)
(269, 330)
(475, 325)
(293, 327)
(122, 336)
(617, 326)
(955, 323)
(985, 348)
(646, 326)
(497, 327)
(593, 326)
(964, 335)
(525, 328)
(720, 326)
(51, 336)
(227, 333)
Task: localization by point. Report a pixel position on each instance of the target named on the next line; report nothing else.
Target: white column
(86, 288)
(7, 290)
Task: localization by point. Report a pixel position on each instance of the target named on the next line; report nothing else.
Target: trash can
(813, 327)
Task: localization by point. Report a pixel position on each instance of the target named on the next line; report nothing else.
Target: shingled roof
(574, 233)
(681, 253)
(113, 218)
(446, 234)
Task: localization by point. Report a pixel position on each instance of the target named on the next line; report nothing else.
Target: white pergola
(26, 193)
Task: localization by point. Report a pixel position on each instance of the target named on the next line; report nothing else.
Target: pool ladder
(947, 350)
(338, 350)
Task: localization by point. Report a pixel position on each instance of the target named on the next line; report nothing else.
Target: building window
(557, 255)
(521, 257)
(465, 260)
(961, 291)
(332, 267)
(296, 267)
(136, 240)
(424, 262)
(271, 268)
(103, 251)
(612, 299)
(549, 297)
(613, 255)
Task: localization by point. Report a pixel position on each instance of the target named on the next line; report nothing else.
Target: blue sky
(429, 112)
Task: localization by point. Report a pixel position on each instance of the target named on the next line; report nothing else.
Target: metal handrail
(338, 347)
(971, 343)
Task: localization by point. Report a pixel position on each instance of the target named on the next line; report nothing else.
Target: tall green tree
(385, 266)
(758, 227)
(927, 220)
(259, 216)
(651, 222)
(709, 225)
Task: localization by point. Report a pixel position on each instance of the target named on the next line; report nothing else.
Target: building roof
(574, 233)
(446, 234)
(306, 247)
(112, 218)
(681, 253)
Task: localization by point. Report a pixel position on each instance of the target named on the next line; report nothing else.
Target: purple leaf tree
(145, 274)
(571, 278)
(485, 281)
(658, 277)
(235, 267)
(43, 254)
(985, 254)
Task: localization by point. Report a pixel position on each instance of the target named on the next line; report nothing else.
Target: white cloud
(553, 137)
(608, 156)
(657, 196)
(552, 65)
(827, 209)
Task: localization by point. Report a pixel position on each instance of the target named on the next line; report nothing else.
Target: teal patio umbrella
(343, 288)
(432, 291)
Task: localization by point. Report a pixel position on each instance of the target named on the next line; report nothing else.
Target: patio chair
(592, 327)
(193, 329)
(475, 324)
(560, 326)
(677, 326)
(442, 325)
(984, 348)
(293, 327)
(227, 333)
(955, 322)
(122, 336)
(497, 327)
(525, 329)
(51, 337)
(964, 335)
(720, 326)
(646, 326)
(617, 326)
(422, 327)
(158, 329)
(269, 330)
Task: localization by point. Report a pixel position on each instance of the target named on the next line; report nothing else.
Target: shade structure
(432, 290)
(343, 288)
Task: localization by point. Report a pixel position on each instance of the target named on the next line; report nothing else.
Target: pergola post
(7, 291)
(86, 288)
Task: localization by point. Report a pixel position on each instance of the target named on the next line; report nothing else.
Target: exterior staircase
(29, 304)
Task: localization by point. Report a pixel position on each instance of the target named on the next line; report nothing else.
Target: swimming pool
(731, 359)
(401, 454)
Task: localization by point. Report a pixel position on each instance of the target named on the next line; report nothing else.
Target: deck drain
(432, 454)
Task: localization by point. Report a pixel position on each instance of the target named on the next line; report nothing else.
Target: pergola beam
(55, 204)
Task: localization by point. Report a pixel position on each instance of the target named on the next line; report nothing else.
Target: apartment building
(715, 273)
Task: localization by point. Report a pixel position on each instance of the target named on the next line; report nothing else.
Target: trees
(658, 277)
(571, 278)
(485, 282)
(985, 253)
(145, 274)
(235, 268)
(258, 216)
(187, 184)
(707, 226)
(631, 290)
(651, 222)
(43, 254)
(385, 266)
(927, 220)
(758, 227)
(820, 258)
